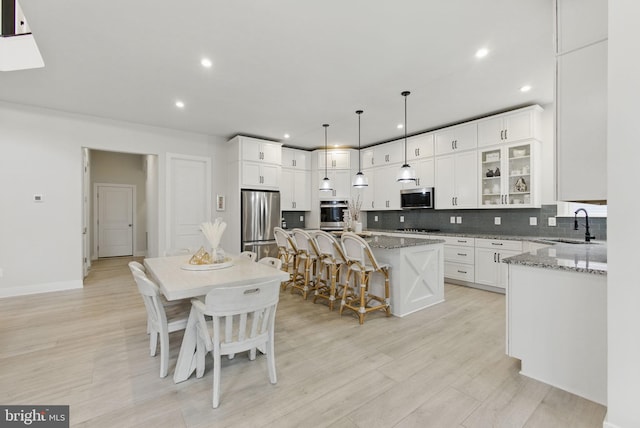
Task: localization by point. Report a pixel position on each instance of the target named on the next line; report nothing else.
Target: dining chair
(243, 319)
(158, 323)
(332, 264)
(271, 261)
(250, 255)
(306, 262)
(358, 296)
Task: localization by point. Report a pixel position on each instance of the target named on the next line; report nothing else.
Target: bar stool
(332, 262)
(363, 264)
(287, 252)
(306, 262)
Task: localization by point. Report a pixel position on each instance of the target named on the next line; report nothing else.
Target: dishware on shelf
(496, 173)
(518, 153)
(489, 173)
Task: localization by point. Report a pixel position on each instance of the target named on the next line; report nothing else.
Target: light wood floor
(441, 367)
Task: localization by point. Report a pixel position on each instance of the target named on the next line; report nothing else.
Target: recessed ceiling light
(206, 62)
(179, 104)
(481, 53)
(400, 126)
(287, 135)
(525, 88)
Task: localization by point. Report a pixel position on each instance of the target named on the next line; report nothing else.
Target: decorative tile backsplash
(292, 218)
(512, 222)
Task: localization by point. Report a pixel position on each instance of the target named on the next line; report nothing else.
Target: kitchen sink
(568, 241)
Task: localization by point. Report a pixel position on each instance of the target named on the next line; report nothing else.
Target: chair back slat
(151, 296)
(357, 249)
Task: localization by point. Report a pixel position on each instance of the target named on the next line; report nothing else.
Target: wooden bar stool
(306, 262)
(287, 252)
(362, 265)
(331, 264)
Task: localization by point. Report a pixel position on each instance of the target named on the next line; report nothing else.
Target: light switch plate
(452, 220)
(533, 221)
(401, 219)
(375, 218)
(301, 218)
(497, 221)
(459, 220)
(552, 221)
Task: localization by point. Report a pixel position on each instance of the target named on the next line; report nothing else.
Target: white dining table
(177, 283)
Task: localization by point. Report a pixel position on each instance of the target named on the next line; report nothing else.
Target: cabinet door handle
(506, 137)
(452, 201)
(494, 257)
(455, 144)
(456, 200)
(462, 254)
(371, 204)
(452, 148)
(498, 257)
(418, 181)
(462, 242)
(496, 243)
(462, 271)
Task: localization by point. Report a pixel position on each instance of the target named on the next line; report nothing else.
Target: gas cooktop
(418, 230)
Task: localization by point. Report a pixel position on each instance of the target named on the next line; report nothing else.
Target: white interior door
(115, 220)
(86, 211)
(188, 201)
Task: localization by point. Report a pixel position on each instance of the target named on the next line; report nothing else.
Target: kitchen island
(556, 302)
(416, 273)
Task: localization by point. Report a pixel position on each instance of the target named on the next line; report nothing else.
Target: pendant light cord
(405, 93)
(359, 112)
(325, 149)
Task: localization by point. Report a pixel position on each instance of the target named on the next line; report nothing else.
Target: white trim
(95, 216)
(25, 290)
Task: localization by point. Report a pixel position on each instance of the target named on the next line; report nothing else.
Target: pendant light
(325, 185)
(359, 180)
(406, 174)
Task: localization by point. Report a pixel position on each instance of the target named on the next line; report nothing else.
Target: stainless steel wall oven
(332, 214)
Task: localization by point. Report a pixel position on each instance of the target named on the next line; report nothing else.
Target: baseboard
(607, 424)
(39, 288)
(140, 254)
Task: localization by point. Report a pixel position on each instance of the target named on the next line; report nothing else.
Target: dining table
(178, 280)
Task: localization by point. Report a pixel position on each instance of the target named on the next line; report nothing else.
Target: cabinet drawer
(458, 254)
(456, 240)
(458, 271)
(499, 244)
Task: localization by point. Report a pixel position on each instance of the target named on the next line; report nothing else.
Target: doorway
(114, 220)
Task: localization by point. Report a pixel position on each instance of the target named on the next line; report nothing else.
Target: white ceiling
(287, 66)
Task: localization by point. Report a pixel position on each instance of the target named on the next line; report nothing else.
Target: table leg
(186, 363)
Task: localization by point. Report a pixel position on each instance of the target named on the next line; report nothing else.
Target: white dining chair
(250, 255)
(243, 319)
(158, 324)
(271, 261)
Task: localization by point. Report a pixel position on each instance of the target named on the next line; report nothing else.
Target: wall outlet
(452, 220)
(552, 221)
(401, 219)
(375, 218)
(301, 218)
(497, 221)
(459, 220)
(533, 221)
(38, 198)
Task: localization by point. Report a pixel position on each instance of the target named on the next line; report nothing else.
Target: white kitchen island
(416, 273)
(557, 317)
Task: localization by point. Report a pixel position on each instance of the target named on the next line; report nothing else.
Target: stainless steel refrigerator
(260, 214)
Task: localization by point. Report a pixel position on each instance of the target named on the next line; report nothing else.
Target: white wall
(623, 231)
(41, 152)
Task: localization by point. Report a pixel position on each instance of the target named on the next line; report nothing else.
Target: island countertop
(587, 258)
(391, 242)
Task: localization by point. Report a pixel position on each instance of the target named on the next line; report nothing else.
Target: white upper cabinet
(294, 190)
(456, 139)
(420, 146)
(425, 173)
(388, 153)
(336, 159)
(340, 181)
(580, 23)
(260, 176)
(367, 157)
(255, 150)
(296, 159)
(456, 181)
(386, 194)
(510, 127)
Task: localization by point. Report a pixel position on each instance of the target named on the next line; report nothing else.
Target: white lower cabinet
(458, 258)
(489, 269)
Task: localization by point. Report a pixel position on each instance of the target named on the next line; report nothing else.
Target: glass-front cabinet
(509, 177)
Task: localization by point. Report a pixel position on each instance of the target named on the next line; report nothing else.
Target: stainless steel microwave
(411, 199)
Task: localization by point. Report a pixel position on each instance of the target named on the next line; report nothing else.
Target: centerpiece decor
(213, 232)
(354, 213)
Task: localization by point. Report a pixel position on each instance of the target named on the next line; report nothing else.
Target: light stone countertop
(392, 242)
(579, 257)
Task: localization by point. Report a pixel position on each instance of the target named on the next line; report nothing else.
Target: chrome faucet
(587, 235)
